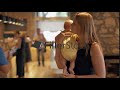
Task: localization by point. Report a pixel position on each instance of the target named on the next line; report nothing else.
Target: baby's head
(67, 24)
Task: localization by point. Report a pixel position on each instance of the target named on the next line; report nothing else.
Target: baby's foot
(65, 71)
(71, 71)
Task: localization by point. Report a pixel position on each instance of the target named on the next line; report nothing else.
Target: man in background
(40, 51)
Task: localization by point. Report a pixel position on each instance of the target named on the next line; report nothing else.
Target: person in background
(27, 52)
(20, 54)
(4, 65)
(40, 51)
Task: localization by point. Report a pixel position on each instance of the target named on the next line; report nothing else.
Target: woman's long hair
(87, 28)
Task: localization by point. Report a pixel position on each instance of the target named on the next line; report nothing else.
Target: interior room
(50, 25)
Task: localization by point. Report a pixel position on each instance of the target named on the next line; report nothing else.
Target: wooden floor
(50, 69)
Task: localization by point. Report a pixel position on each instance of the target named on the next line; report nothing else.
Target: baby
(68, 51)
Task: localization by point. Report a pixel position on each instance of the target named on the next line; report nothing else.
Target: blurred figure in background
(40, 38)
(4, 65)
(20, 54)
(27, 52)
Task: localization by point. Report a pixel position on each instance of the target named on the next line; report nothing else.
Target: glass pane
(53, 14)
(51, 29)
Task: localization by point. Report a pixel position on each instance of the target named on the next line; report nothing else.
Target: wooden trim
(51, 18)
(112, 57)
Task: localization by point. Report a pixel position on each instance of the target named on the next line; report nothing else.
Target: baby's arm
(65, 67)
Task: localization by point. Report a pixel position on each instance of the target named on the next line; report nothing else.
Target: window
(51, 23)
(52, 14)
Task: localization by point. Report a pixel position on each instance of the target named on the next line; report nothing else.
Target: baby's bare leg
(65, 67)
(72, 65)
(65, 70)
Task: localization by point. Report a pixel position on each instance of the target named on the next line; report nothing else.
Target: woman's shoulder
(94, 44)
(95, 48)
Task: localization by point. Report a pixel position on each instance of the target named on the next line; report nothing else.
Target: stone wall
(107, 27)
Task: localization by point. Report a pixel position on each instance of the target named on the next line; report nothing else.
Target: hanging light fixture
(9, 20)
(25, 22)
(17, 22)
(1, 18)
(13, 21)
(5, 19)
(22, 22)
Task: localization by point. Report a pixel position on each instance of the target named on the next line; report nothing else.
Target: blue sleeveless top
(83, 64)
(3, 59)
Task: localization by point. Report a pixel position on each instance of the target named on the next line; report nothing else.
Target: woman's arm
(18, 45)
(4, 64)
(97, 62)
(5, 68)
(43, 38)
(58, 59)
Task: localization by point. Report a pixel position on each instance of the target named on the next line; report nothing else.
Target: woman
(4, 65)
(27, 52)
(20, 54)
(89, 62)
(40, 51)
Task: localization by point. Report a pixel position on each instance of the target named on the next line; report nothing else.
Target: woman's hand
(69, 76)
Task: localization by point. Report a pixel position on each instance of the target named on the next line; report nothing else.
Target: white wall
(51, 28)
